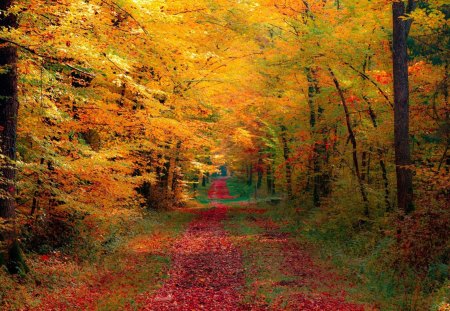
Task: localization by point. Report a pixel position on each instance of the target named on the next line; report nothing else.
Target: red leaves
(207, 269)
(383, 77)
(219, 190)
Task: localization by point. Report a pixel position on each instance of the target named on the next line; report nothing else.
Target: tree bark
(203, 180)
(260, 173)
(9, 108)
(401, 105)
(321, 176)
(270, 180)
(288, 168)
(250, 174)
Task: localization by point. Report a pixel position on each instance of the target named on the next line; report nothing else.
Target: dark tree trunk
(287, 164)
(320, 176)
(203, 180)
(386, 186)
(270, 180)
(250, 174)
(312, 124)
(401, 105)
(260, 173)
(363, 165)
(176, 170)
(9, 108)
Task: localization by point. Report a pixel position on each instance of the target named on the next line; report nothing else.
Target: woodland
(224, 155)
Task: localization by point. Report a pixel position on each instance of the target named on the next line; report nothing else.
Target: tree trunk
(287, 164)
(373, 117)
(250, 175)
(260, 174)
(312, 124)
(270, 180)
(364, 167)
(10, 254)
(203, 180)
(321, 177)
(9, 106)
(401, 106)
(352, 138)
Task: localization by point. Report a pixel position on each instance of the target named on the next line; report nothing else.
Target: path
(206, 271)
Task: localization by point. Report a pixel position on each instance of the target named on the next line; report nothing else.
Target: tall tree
(9, 106)
(401, 27)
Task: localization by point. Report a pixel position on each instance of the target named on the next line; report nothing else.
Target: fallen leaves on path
(206, 271)
(219, 190)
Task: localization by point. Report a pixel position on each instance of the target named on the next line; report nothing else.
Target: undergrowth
(117, 259)
(366, 253)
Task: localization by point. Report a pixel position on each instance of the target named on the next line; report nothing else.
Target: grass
(363, 256)
(262, 264)
(132, 262)
(151, 241)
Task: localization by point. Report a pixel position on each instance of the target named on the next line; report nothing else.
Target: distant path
(206, 271)
(219, 189)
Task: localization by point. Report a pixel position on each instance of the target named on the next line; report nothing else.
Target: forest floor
(229, 255)
(230, 258)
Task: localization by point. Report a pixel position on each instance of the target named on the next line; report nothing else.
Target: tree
(10, 253)
(401, 27)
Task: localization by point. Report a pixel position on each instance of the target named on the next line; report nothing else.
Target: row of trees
(352, 102)
(114, 115)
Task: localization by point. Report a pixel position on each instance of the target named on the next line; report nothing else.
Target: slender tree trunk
(260, 173)
(387, 201)
(288, 168)
(321, 176)
(352, 138)
(203, 180)
(401, 105)
(176, 169)
(386, 186)
(363, 165)
(312, 124)
(250, 175)
(270, 180)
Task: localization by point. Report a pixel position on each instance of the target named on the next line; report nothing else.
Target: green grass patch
(240, 189)
(263, 263)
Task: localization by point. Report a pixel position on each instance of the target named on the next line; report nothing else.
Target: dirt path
(206, 272)
(219, 190)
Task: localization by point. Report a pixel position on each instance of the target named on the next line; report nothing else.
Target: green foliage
(239, 189)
